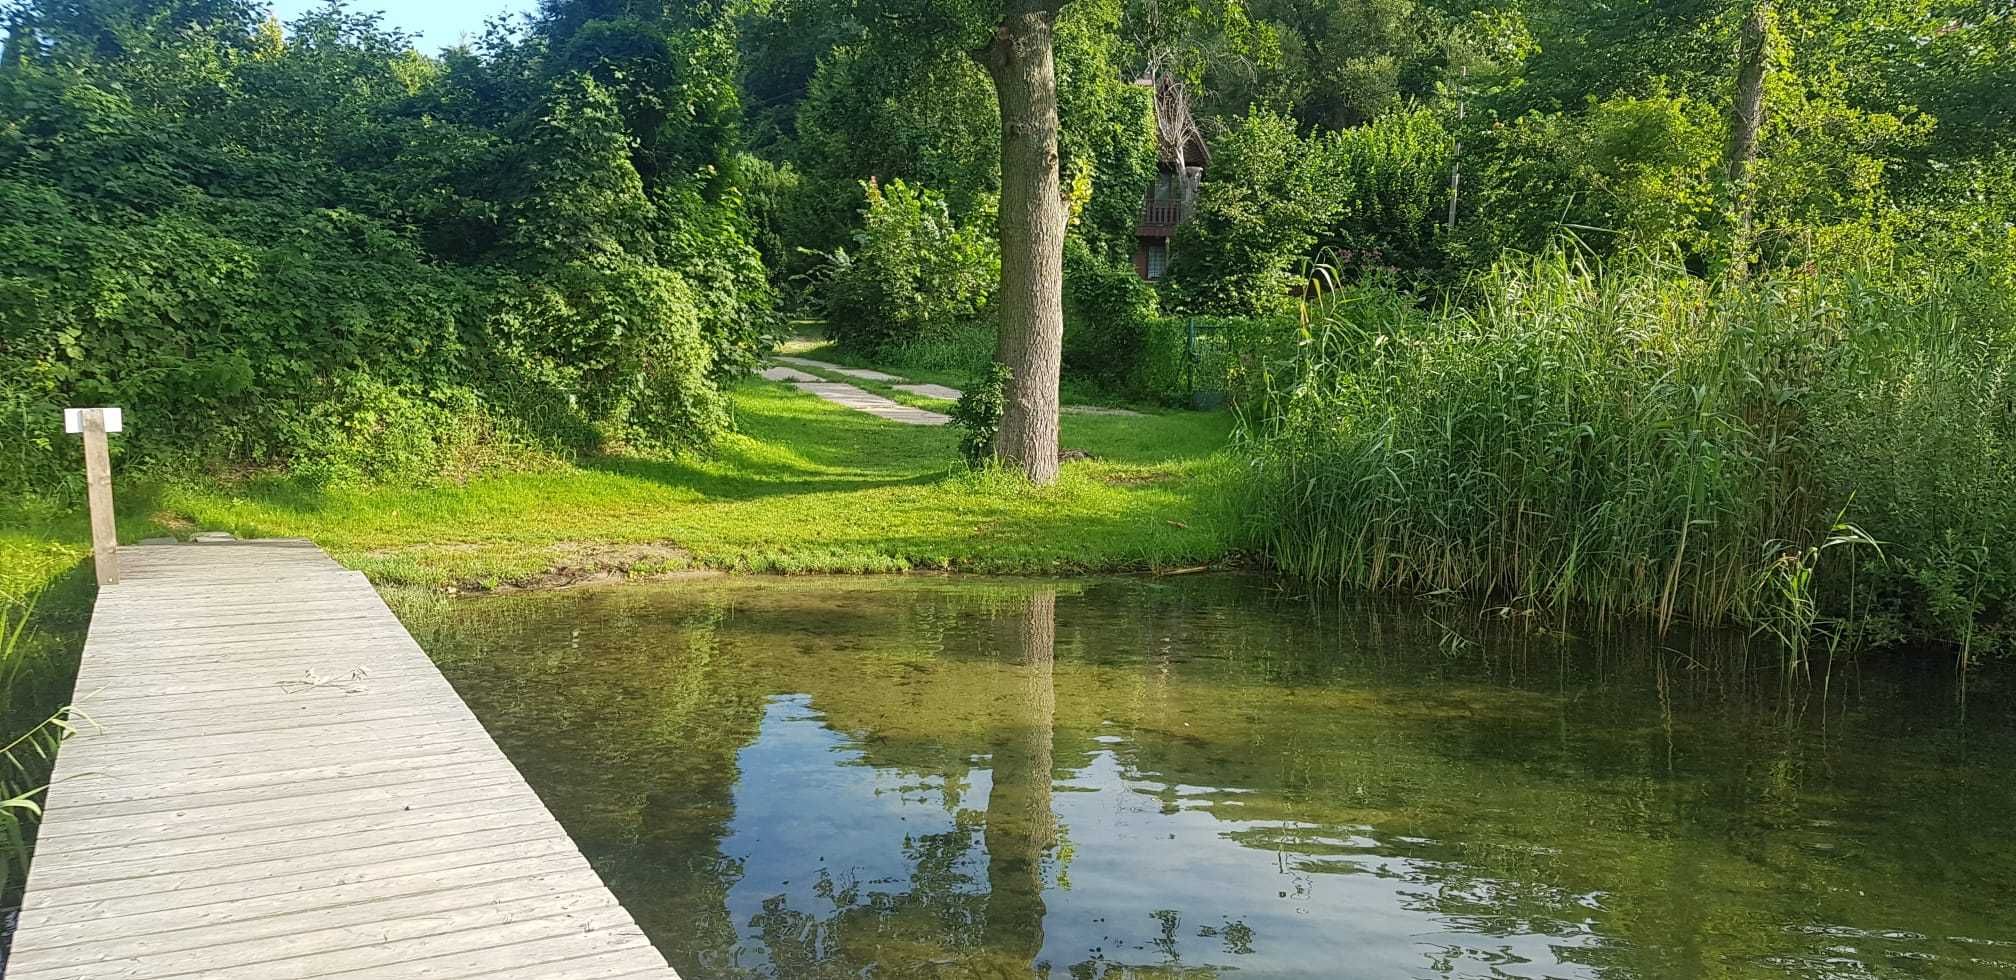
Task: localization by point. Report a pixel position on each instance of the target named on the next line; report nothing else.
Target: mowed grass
(803, 486)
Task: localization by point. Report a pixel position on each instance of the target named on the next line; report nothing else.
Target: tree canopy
(308, 244)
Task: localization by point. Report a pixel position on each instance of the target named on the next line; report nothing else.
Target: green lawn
(803, 486)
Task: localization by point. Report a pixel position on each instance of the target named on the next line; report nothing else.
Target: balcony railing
(1161, 214)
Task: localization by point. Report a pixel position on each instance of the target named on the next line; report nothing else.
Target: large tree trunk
(1753, 60)
(1032, 237)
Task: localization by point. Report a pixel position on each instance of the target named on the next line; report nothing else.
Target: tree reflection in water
(1020, 826)
(1135, 779)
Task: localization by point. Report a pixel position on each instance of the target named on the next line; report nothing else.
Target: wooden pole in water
(98, 484)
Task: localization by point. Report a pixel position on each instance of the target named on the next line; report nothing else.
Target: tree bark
(1031, 340)
(1753, 60)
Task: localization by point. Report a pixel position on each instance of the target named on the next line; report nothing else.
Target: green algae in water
(1199, 777)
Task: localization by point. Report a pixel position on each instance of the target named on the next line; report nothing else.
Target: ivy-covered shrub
(914, 274)
(1105, 128)
(317, 250)
(711, 244)
(622, 342)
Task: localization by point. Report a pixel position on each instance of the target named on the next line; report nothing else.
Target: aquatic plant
(28, 757)
(1789, 608)
(1628, 439)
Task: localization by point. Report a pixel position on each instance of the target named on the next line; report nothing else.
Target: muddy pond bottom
(1206, 777)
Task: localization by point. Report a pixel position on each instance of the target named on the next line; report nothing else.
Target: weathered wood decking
(280, 785)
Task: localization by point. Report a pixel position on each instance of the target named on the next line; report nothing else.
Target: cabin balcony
(1159, 219)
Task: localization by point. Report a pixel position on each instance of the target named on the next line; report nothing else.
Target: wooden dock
(280, 785)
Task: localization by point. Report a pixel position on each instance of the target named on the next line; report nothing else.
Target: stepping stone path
(931, 391)
(841, 393)
(861, 401)
(1097, 410)
(862, 373)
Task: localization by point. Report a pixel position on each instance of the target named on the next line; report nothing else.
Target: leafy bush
(1273, 202)
(978, 414)
(321, 250)
(358, 429)
(1632, 172)
(622, 340)
(1257, 218)
(914, 274)
(1646, 173)
(1391, 181)
(1107, 311)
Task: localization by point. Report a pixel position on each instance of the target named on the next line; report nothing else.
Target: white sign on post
(73, 420)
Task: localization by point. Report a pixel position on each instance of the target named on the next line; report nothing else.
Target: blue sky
(440, 23)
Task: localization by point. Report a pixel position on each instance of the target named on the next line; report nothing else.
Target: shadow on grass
(825, 435)
(737, 487)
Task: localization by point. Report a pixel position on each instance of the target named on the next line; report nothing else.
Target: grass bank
(803, 486)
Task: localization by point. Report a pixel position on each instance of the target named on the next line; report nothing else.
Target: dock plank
(275, 782)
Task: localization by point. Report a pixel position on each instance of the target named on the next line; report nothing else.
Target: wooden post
(98, 482)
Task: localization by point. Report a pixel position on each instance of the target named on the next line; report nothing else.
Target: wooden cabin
(1181, 156)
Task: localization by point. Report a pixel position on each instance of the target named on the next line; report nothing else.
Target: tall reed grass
(34, 733)
(1640, 442)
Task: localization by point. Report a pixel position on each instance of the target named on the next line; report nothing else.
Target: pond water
(1202, 777)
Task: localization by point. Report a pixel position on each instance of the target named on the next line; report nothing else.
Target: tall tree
(1019, 56)
(1746, 117)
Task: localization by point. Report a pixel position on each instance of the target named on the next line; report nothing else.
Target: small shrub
(978, 414)
(914, 275)
(358, 429)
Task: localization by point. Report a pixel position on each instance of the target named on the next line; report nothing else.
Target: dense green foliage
(1368, 198)
(319, 248)
(914, 276)
(1108, 314)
